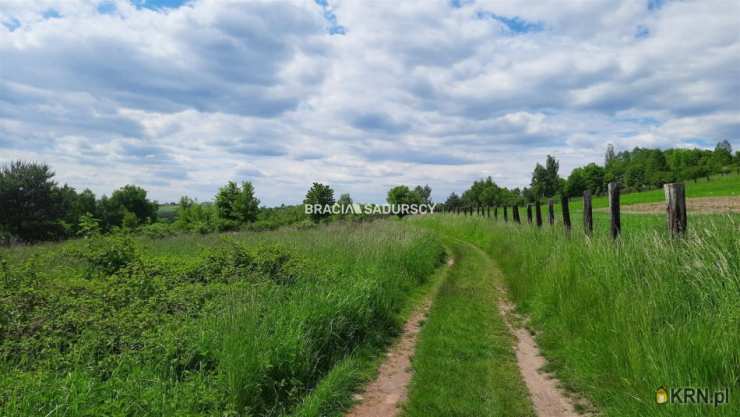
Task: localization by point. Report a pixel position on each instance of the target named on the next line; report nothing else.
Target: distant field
(717, 186)
(167, 213)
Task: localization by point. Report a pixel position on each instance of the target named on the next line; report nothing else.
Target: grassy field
(619, 319)
(716, 186)
(278, 323)
(292, 322)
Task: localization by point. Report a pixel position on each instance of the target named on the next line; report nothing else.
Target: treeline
(35, 208)
(636, 170)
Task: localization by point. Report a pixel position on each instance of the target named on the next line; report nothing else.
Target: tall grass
(619, 319)
(248, 324)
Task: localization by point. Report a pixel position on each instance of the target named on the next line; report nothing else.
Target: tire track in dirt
(548, 399)
(384, 396)
(704, 205)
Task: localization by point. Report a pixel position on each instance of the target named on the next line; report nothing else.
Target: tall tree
(402, 194)
(453, 202)
(424, 193)
(322, 195)
(132, 199)
(31, 203)
(237, 204)
(545, 180)
(610, 155)
(723, 154)
(589, 177)
(345, 200)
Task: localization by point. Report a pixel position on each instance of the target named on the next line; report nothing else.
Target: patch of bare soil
(544, 389)
(384, 396)
(693, 205)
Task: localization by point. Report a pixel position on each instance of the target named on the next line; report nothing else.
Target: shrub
(89, 226)
(106, 255)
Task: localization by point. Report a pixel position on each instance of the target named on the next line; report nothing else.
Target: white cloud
(182, 100)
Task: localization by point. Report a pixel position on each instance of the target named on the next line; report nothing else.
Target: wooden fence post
(566, 213)
(538, 213)
(616, 223)
(506, 214)
(675, 198)
(515, 214)
(550, 211)
(588, 220)
(529, 213)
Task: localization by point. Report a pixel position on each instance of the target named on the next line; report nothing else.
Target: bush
(106, 255)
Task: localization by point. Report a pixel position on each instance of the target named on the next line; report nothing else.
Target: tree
(610, 155)
(129, 198)
(576, 183)
(589, 177)
(88, 226)
(402, 195)
(424, 193)
(130, 221)
(723, 154)
(322, 195)
(453, 202)
(31, 204)
(86, 203)
(345, 200)
(237, 204)
(545, 180)
(724, 146)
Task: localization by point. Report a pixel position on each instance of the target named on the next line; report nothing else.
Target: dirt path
(548, 399)
(383, 396)
(693, 205)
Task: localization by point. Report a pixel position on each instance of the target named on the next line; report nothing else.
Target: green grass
(167, 212)
(619, 319)
(717, 186)
(464, 363)
(332, 397)
(279, 323)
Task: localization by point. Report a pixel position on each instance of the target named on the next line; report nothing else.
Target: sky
(182, 96)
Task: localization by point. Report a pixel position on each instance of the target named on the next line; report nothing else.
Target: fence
(675, 197)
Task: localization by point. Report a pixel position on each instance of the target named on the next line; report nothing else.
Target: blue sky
(182, 96)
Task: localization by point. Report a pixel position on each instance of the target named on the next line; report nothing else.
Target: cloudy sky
(182, 96)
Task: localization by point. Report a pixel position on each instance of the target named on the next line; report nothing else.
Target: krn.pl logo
(661, 395)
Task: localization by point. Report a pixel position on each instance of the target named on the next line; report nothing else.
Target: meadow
(292, 322)
(715, 186)
(618, 319)
(273, 323)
